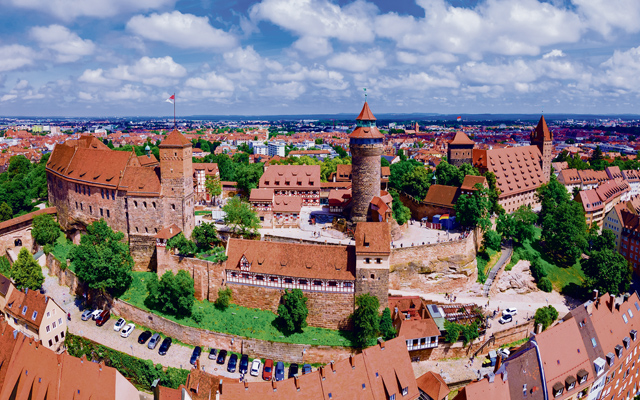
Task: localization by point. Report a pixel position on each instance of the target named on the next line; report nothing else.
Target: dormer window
(24, 310)
(610, 359)
(35, 314)
(558, 389)
(582, 376)
(626, 342)
(618, 349)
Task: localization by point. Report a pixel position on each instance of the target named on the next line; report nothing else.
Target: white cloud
(319, 18)
(553, 53)
(161, 71)
(96, 77)
(354, 62)
(313, 46)
(70, 9)
(127, 92)
(8, 97)
(621, 71)
(15, 56)
(211, 81)
(606, 15)
(289, 90)
(67, 45)
(415, 81)
(181, 30)
(246, 58)
(85, 96)
(425, 59)
(318, 77)
(511, 27)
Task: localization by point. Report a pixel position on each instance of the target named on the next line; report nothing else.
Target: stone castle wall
(374, 281)
(436, 267)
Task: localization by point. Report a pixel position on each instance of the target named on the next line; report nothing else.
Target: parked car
(119, 324)
(126, 331)
(213, 354)
(195, 355)
(267, 371)
(244, 364)
(144, 336)
(293, 370)
(233, 361)
(306, 369)
(255, 367)
(510, 311)
(279, 371)
(505, 319)
(103, 318)
(86, 314)
(153, 342)
(95, 314)
(222, 357)
(504, 353)
(164, 347)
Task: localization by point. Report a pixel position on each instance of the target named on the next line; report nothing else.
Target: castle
(136, 195)
(519, 171)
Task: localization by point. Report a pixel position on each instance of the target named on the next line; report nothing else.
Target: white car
(126, 331)
(505, 319)
(504, 353)
(255, 367)
(510, 311)
(96, 314)
(119, 324)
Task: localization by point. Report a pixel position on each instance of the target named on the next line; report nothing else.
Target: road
(506, 254)
(178, 355)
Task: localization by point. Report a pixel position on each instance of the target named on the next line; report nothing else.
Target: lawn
(203, 212)
(61, 249)
(236, 320)
(560, 277)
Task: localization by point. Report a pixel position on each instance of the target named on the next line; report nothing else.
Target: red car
(103, 318)
(267, 371)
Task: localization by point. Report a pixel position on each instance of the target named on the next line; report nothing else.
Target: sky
(107, 58)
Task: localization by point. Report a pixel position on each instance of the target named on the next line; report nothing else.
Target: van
(103, 317)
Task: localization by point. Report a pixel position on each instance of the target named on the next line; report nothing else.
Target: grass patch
(237, 320)
(5, 267)
(561, 278)
(202, 212)
(486, 260)
(515, 344)
(61, 249)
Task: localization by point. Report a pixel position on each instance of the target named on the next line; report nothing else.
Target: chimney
(297, 382)
(333, 367)
(381, 343)
(498, 363)
(538, 329)
(274, 384)
(352, 361)
(246, 385)
(595, 295)
(612, 302)
(198, 363)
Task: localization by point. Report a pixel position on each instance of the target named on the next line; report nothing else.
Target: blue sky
(125, 57)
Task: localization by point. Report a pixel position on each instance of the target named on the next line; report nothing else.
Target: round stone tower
(366, 144)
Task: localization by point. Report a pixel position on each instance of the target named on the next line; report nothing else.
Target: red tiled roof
(517, 169)
(168, 232)
(441, 195)
(470, 181)
(287, 204)
(461, 138)
(366, 132)
(296, 260)
(366, 114)
(27, 217)
(541, 132)
(32, 300)
(209, 168)
(373, 238)
(147, 160)
(433, 385)
(299, 177)
(142, 181)
(261, 195)
(175, 139)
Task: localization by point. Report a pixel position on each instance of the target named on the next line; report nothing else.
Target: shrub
(545, 316)
(453, 331)
(545, 285)
(198, 316)
(537, 270)
(293, 311)
(171, 294)
(224, 298)
(492, 240)
(387, 330)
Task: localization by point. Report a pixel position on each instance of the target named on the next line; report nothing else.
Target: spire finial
(365, 94)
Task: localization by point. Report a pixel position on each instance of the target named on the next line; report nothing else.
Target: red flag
(171, 99)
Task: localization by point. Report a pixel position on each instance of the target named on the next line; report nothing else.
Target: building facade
(460, 150)
(87, 182)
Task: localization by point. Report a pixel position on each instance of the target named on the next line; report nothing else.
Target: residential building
(276, 211)
(200, 173)
(411, 319)
(36, 315)
(32, 371)
(293, 180)
(432, 386)
(633, 178)
(613, 221)
(597, 202)
(276, 149)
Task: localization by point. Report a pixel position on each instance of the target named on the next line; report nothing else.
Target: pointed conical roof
(461, 138)
(366, 114)
(542, 131)
(175, 139)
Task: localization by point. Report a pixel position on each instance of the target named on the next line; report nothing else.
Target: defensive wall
(15, 233)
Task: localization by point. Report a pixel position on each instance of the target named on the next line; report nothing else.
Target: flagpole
(174, 110)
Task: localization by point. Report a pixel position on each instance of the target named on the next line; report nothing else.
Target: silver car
(153, 342)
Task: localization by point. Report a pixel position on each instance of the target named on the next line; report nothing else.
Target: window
(367, 260)
(48, 314)
(317, 283)
(53, 326)
(35, 314)
(108, 214)
(24, 310)
(62, 334)
(333, 284)
(59, 321)
(288, 280)
(303, 282)
(48, 328)
(405, 391)
(392, 397)
(373, 276)
(154, 204)
(135, 204)
(173, 207)
(144, 204)
(50, 343)
(56, 338)
(101, 212)
(348, 284)
(90, 210)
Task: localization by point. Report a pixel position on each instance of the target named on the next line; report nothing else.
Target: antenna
(365, 94)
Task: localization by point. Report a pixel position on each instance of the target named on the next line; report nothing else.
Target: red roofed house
(411, 319)
(293, 180)
(200, 173)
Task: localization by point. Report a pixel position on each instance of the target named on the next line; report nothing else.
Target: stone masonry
(365, 174)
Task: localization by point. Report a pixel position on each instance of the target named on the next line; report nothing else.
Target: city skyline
(288, 57)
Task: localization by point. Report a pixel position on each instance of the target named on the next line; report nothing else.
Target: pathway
(506, 255)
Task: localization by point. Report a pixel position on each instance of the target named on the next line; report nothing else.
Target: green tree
(6, 213)
(45, 229)
(473, 210)
(519, 225)
(604, 240)
(448, 174)
(172, 294)
(102, 259)
(452, 331)
(492, 240)
(469, 333)
(342, 153)
(399, 170)
(468, 169)
(384, 162)
(401, 213)
(597, 160)
(224, 298)
(545, 285)
(213, 186)
(607, 271)
(494, 193)
(545, 316)
(26, 272)
(551, 195)
(293, 310)
(416, 182)
(248, 175)
(386, 328)
(184, 246)
(365, 319)
(240, 217)
(205, 236)
(241, 158)
(19, 165)
(319, 141)
(564, 233)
